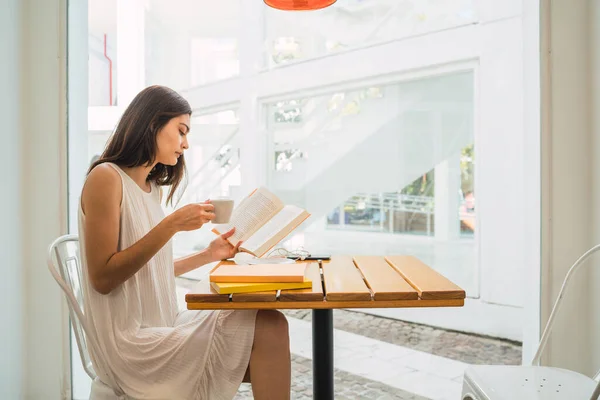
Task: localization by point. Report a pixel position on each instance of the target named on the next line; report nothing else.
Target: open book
(261, 221)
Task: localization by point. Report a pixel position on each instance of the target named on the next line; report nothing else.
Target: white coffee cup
(223, 209)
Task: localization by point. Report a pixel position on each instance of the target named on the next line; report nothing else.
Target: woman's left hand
(220, 249)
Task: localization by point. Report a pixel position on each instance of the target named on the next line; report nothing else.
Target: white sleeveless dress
(152, 350)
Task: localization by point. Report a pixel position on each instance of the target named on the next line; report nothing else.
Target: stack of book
(227, 279)
(261, 221)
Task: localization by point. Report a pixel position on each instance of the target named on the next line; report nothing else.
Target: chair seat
(101, 391)
(501, 382)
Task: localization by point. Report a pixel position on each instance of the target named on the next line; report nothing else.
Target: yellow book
(248, 287)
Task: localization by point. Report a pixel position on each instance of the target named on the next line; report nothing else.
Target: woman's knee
(272, 325)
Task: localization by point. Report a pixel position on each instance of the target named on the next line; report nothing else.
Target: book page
(275, 230)
(253, 212)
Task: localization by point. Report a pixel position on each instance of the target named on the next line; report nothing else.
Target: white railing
(215, 169)
(388, 203)
(310, 109)
(298, 148)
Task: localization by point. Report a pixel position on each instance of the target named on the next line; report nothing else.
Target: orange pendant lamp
(299, 5)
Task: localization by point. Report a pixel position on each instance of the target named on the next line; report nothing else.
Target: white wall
(12, 331)
(594, 298)
(567, 179)
(33, 206)
(499, 172)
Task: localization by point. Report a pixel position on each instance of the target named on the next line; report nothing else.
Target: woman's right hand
(192, 216)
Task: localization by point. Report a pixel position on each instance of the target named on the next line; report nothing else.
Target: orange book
(259, 273)
(261, 221)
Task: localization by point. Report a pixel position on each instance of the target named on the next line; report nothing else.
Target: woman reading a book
(152, 350)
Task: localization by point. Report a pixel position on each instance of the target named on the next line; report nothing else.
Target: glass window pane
(415, 177)
(349, 24)
(213, 165)
(385, 162)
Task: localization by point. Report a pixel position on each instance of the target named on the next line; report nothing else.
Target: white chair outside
(500, 382)
(64, 265)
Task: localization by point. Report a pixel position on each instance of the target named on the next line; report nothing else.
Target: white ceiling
(201, 18)
(102, 17)
(221, 18)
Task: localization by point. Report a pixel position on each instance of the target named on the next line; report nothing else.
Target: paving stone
(459, 346)
(347, 386)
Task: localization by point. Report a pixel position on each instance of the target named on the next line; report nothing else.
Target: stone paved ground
(347, 386)
(468, 348)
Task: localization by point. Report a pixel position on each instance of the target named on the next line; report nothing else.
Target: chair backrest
(550, 324)
(63, 256)
(64, 265)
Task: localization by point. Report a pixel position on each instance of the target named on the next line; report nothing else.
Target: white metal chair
(499, 382)
(64, 265)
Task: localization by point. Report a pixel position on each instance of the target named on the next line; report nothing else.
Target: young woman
(152, 350)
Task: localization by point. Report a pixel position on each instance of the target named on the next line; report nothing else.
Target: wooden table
(342, 282)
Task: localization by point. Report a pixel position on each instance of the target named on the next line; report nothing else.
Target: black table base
(322, 336)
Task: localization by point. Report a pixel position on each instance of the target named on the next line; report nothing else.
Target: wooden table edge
(388, 296)
(300, 297)
(320, 305)
(345, 297)
(206, 297)
(438, 295)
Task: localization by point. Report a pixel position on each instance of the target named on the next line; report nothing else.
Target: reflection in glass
(349, 24)
(396, 160)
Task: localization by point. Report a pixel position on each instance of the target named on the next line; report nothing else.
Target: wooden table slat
(345, 288)
(430, 284)
(343, 281)
(203, 292)
(314, 294)
(319, 305)
(270, 295)
(385, 282)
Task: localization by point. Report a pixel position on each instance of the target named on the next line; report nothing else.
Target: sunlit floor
(370, 368)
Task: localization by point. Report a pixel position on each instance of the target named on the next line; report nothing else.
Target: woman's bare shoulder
(104, 173)
(102, 184)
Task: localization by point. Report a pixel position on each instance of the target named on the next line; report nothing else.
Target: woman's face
(171, 140)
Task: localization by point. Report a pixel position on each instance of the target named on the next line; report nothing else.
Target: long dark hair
(133, 143)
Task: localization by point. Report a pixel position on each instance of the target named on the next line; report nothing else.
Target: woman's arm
(219, 249)
(101, 203)
(193, 261)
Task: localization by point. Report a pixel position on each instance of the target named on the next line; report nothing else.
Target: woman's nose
(185, 144)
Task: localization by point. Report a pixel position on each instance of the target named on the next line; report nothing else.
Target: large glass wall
(349, 24)
(385, 119)
(380, 167)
